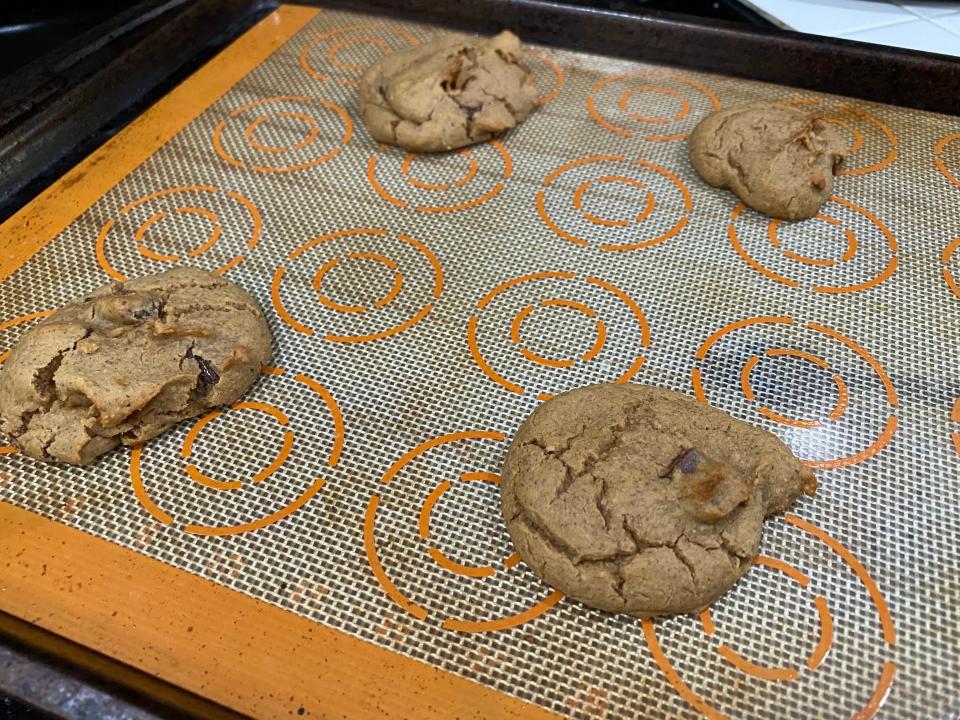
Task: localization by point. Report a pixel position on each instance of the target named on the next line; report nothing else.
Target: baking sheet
(422, 306)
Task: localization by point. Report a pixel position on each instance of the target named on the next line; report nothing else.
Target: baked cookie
(639, 500)
(778, 159)
(127, 361)
(447, 93)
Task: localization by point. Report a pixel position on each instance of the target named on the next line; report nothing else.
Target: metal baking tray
(422, 306)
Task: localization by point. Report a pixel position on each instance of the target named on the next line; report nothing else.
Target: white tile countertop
(929, 25)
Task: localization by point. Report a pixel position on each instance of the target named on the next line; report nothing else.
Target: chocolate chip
(153, 310)
(687, 462)
(690, 461)
(208, 374)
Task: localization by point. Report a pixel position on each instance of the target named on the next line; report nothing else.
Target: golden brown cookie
(447, 93)
(778, 159)
(640, 500)
(127, 361)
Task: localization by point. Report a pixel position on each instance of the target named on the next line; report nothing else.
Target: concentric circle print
(245, 467)
(872, 146)
(614, 204)
(539, 331)
(844, 249)
(804, 615)
(201, 224)
(364, 279)
(341, 55)
(282, 134)
(429, 561)
(826, 394)
(440, 182)
(657, 105)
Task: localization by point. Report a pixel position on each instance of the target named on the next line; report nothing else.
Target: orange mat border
(190, 632)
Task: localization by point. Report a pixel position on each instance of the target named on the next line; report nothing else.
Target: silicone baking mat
(422, 306)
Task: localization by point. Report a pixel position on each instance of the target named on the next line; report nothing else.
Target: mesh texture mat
(422, 306)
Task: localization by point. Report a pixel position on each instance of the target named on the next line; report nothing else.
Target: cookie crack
(599, 455)
(25, 420)
(506, 103)
(43, 381)
(552, 539)
(569, 479)
(687, 562)
(605, 512)
(731, 550)
(168, 290)
(207, 376)
(224, 307)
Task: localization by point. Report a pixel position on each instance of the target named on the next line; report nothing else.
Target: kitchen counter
(931, 26)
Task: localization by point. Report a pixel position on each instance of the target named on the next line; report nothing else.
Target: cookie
(778, 159)
(639, 500)
(447, 93)
(129, 360)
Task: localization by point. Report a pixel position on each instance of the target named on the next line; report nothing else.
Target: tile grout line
(900, 4)
(863, 28)
(950, 30)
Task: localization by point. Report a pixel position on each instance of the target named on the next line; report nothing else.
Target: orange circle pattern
(853, 122)
(938, 158)
(200, 478)
(817, 654)
(332, 44)
(948, 273)
(559, 77)
(677, 88)
(841, 391)
(21, 320)
(813, 265)
(385, 262)
(458, 193)
(512, 561)
(581, 308)
(600, 225)
(955, 418)
(438, 555)
(213, 219)
(232, 144)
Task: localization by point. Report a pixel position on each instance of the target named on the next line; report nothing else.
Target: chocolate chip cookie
(129, 360)
(640, 500)
(778, 159)
(447, 93)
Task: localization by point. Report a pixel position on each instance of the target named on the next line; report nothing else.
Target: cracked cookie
(127, 361)
(447, 93)
(640, 500)
(778, 159)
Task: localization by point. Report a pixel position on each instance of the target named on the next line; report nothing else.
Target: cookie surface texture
(779, 160)
(640, 500)
(128, 360)
(447, 93)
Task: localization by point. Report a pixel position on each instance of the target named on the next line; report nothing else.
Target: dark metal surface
(65, 104)
(29, 29)
(38, 689)
(58, 109)
(925, 81)
(11, 709)
(61, 679)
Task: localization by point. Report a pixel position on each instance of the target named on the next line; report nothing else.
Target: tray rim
(32, 603)
(49, 136)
